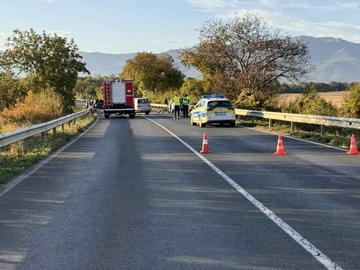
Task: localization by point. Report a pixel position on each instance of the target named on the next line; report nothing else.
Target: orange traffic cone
(280, 150)
(353, 146)
(205, 144)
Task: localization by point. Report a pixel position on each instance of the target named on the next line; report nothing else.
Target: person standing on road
(176, 103)
(186, 102)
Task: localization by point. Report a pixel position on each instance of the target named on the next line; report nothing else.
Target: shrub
(351, 103)
(253, 99)
(36, 108)
(311, 103)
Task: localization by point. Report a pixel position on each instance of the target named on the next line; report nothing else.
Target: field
(336, 98)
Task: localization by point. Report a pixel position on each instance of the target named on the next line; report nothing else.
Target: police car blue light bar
(213, 96)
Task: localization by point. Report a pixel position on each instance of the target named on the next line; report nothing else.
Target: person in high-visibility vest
(186, 102)
(176, 103)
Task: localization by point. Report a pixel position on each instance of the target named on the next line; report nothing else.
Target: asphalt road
(127, 195)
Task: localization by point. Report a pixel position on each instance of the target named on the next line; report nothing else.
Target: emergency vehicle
(213, 109)
(118, 96)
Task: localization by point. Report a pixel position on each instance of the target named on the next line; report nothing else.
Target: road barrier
(293, 118)
(21, 135)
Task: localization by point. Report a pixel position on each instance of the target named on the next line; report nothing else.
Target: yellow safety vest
(176, 101)
(186, 100)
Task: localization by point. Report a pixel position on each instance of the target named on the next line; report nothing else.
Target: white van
(142, 105)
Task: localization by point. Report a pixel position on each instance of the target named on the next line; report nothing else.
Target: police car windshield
(219, 103)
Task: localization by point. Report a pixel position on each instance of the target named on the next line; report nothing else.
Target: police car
(213, 109)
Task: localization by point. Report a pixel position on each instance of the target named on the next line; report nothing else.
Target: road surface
(128, 195)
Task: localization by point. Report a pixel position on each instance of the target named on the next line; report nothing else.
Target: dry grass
(36, 108)
(335, 97)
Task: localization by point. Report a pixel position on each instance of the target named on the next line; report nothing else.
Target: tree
(89, 87)
(50, 61)
(192, 87)
(11, 90)
(152, 73)
(245, 53)
(351, 103)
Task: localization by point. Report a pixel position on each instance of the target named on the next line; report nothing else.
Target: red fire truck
(118, 97)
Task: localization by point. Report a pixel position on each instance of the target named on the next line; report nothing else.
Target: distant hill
(332, 59)
(112, 64)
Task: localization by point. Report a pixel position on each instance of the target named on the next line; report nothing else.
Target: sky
(125, 26)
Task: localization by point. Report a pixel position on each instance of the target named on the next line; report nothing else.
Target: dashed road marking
(307, 245)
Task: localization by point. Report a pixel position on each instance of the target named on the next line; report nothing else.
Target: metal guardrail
(39, 129)
(329, 121)
(157, 105)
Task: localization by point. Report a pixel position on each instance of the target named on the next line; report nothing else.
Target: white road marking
(297, 139)
(18, 179)
(309, 247)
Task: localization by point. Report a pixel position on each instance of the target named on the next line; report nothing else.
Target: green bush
(254, 100)
(351, 104)
(311, 103)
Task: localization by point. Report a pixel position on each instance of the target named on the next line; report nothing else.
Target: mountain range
(332, 59)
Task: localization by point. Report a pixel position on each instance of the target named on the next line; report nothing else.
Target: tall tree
(50, 60)
(152, 73)
(245, 53)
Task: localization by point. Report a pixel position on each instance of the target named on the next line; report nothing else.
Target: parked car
(142, 105)
(213, 109)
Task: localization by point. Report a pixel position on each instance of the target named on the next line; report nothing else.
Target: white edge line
(307, 245)
(18, 179)
(295, 138)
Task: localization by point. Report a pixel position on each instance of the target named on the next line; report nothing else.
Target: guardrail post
(54, 131)
(271, 123)
(322, 130)
(63, 127)
(42, 137)
(292, 126)
(24, 146)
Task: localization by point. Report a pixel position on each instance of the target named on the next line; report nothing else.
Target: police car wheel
(202, 125)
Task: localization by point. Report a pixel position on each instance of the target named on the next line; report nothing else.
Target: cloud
(46, 1)
(60, 33)
(337, 18)
(301, 26)
(212, 5)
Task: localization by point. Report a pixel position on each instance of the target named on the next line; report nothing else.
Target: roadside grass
(13, 161)
(339, 137)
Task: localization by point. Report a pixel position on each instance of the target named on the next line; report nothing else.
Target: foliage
(251, 99)
(194, 88)
(36, 108)
(245, 53)
(152, 73)
(11, 90)
(50, 60)
(311, 103)
(351, 104)
(89, 87)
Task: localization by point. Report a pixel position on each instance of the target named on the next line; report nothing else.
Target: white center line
(314, 251)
